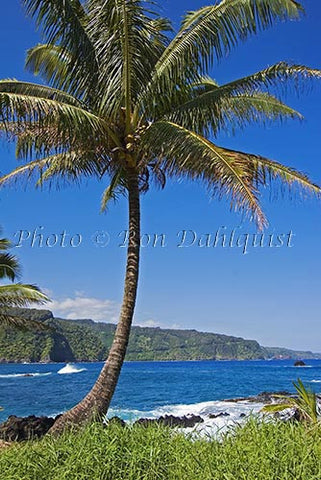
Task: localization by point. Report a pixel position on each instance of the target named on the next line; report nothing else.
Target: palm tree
(130, 101)
(16, 294)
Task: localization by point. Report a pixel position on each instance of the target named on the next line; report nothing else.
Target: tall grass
(256, 451)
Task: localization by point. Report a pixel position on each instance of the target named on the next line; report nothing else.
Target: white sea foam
(315, 381)
(70, 368)
(237, 412)
(302, 366)
(27, 374)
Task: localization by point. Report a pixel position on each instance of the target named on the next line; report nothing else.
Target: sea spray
(70, 368)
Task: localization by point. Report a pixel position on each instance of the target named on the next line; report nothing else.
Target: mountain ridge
(86, 340)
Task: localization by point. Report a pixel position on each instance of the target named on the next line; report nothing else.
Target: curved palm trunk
(97, 401)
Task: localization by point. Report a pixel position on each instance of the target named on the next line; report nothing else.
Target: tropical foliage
(130, 102)
(305, 404)
(126, 95)
(88, 341)
(16, 294)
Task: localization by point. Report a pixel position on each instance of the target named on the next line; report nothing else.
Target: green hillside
(85, 340)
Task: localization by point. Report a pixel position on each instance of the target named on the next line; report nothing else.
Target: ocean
(151, 389)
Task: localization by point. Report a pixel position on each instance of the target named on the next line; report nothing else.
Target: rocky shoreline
(17, 429)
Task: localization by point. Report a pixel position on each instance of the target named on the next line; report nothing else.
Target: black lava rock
(25, 428)
(172, 421)
(217, 415)
(299, 363)
(269, 397)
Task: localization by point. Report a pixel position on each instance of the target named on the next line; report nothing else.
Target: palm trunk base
(91, 408)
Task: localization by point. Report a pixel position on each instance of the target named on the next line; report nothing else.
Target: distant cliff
(85, 340)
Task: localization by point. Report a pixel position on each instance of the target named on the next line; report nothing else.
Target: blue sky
(270, 294)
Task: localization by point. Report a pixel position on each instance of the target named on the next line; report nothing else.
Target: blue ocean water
(146, 387)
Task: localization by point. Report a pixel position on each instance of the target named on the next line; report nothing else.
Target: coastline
(156, 388)
(51, 362)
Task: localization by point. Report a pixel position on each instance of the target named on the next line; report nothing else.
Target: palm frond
(128, 41)
(71, 166)
(39, 140)
(31, 168)
(20, 323)
(67, 166)
(16, 295)
(211, 32)
(216, 113)
(305, 404)
(8, 320)
(115, 187)
(127, 53)
(269, 170)
(280, 76)
(307, 401)
(63, 23)
(228, 172)
(5, 244)
(21, 295)
(206, 93)
(185, 153)
(9, 266)
(206, 83)
(35, 141)
(278, 407)
(53, 64)
(216, 29)
(40, 91)
(71, 121)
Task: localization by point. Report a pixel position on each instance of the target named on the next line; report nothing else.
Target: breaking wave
(27, 374)
(217, 416)
(70, 368)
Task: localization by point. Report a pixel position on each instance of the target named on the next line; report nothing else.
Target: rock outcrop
(300, 363)
(187, 421)
(17, 429)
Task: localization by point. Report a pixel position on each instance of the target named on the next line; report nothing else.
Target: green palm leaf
(16, 295)
(21, 295)
(279, 76)
(226, 173)
(13, 321)
(269, 170)
(206, 94)
(38, 91)
(36, 166)
(31, 109)
(67, 166)
(218, 28)
(63, 22)
(305, 404)
(215, 112)
(5, 244)
(128, 42)
(70, 121)
(52, 63)
(212, 31)
(9, 266)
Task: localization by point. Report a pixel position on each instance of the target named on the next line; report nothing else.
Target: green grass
(257, 451)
